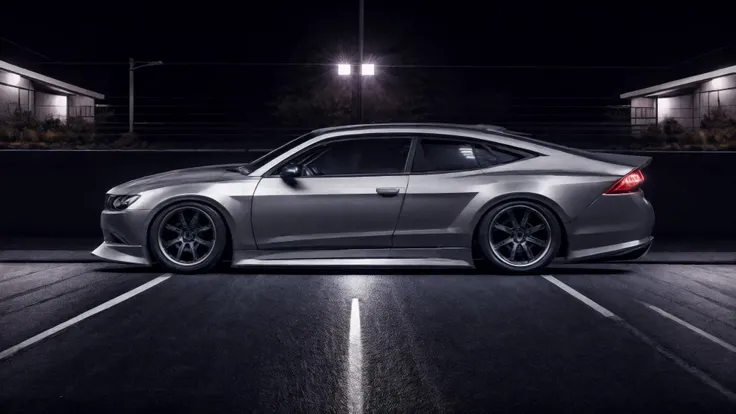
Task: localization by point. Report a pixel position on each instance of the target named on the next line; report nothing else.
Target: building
(687, 100)
(43, 96)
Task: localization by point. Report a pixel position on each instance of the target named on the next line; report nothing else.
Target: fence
(250, 104)
(216, 122)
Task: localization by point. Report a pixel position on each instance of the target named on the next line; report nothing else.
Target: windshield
(265, 159)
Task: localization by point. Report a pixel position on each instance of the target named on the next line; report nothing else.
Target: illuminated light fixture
(630, 183)
(13, 79)
(368, 69)
(719, 83)
(343, 69)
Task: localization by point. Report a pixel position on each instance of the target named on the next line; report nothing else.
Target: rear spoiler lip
(646, 163)
(621, 159)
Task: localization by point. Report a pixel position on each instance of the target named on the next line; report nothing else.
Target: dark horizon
(88, 48)
(509, 64)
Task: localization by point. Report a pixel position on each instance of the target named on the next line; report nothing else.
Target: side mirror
(290, 171)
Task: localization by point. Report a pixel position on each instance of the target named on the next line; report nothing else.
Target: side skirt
(438, 257)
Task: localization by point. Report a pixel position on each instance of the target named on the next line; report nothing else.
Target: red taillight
(628, 184)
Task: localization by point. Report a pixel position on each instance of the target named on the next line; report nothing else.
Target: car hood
(206, 174)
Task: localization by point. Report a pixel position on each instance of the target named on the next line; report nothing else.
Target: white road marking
(355, 362)
(695, 329)
(579, 296)
(696, 372)
(60, 327)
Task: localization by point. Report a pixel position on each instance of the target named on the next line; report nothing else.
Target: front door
(349, 195)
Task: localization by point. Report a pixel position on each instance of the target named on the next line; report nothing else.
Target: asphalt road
(623, 338)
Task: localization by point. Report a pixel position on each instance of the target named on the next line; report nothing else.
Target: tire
(501, 257)
(196, 256)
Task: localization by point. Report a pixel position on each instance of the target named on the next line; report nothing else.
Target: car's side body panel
(327, 212)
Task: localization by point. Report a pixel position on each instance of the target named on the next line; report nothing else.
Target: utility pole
(358, 78)
(131, 68)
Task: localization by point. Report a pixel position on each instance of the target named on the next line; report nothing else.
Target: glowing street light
(368, 69)
(343, 69)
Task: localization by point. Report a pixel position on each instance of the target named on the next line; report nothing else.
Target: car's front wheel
(519, 237)
(188, 237)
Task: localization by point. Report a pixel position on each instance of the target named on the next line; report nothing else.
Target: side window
(488, 156)
(436, 155)
(369, 156)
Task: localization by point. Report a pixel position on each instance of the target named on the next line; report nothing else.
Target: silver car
(387, 194)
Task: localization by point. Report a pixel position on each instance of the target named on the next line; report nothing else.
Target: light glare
(368, 69)
(719, 83)
(13, 79)
(343, 69)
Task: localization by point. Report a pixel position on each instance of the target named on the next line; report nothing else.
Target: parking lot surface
(97, 337)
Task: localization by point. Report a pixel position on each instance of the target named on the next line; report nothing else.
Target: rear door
(446, 176)
(348, 196)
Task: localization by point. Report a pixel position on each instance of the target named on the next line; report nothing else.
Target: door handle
(387, 192)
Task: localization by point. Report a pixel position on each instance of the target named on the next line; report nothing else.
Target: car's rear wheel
(519, 237)
(188, 237)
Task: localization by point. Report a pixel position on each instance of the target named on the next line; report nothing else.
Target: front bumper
(123, 253)
(124, 233)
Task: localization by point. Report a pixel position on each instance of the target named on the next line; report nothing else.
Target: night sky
(213, 52)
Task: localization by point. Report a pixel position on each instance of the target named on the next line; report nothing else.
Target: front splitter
(122, 253)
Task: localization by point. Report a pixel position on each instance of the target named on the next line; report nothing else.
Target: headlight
(119, 202)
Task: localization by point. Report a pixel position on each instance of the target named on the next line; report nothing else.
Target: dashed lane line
(355, 362)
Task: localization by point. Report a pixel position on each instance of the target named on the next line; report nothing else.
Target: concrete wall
(677, 107)
(50, 106)
(60, 193)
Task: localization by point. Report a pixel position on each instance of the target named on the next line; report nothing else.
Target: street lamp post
(358, 89)
(131, 68)
(364, 69)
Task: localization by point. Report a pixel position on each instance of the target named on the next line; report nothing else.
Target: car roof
(422, 125)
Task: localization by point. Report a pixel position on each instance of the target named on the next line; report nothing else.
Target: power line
(401, 66)
(240, 97)
(699, 56)
(6, 40)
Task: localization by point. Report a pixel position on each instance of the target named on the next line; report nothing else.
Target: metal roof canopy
(680, 83)
(56, 84)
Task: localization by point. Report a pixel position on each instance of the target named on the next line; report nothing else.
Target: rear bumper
(612, 225)
(631, 250)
